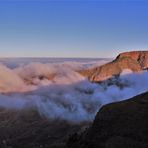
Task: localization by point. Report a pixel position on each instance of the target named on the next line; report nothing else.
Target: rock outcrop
(140, 56)
(135, 61)
(117, 125)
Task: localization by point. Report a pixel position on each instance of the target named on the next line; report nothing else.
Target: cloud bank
(57, 91)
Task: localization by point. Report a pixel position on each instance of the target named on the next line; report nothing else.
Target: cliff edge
(134, 61)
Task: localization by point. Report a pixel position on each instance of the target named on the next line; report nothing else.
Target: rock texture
(27, 129)
(140, 56)
(117, 125)
(135, 61)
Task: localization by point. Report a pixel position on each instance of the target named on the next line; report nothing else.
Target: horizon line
(56, 57)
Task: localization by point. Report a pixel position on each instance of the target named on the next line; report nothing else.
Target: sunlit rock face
(140, 56)
(135, 61)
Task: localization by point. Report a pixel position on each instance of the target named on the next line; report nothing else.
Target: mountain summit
(134, 61)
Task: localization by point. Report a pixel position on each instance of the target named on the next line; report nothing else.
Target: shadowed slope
(27, 129)
(117, 125)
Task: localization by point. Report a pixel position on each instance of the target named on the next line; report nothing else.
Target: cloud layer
(56, 90)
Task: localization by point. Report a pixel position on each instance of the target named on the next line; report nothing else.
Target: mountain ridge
(135, 61)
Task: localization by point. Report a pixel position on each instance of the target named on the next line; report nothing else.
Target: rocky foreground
(27, 129)
(135, 61)
(117, 125)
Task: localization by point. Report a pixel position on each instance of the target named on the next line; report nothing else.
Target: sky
(80, 28)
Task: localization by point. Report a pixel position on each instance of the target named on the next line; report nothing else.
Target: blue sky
(72, 28)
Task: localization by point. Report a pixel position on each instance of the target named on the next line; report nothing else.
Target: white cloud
(68, 95)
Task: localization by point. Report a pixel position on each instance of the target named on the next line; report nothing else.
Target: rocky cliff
(140, 56)
(117, 125)
(135, 61)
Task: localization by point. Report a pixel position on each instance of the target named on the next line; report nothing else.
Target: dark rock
(118, 125)
(27, 129)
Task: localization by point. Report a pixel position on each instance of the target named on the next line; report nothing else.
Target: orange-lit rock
(135, 61)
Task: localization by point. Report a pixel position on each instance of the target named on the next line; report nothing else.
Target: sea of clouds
(58, 91)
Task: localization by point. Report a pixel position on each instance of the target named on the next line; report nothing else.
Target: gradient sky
(72, 28)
